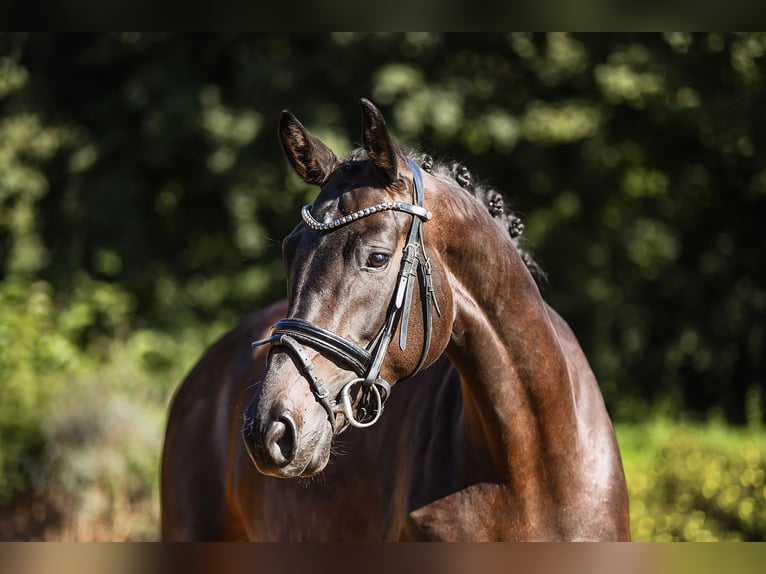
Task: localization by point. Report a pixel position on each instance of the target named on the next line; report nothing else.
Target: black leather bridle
(361, 399)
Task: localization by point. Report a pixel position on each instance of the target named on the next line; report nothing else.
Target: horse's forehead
(348, 192)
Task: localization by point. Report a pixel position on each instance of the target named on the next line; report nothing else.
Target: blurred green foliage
(693, 483)
(143, 196)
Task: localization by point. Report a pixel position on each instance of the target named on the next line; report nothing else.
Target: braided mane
(489, 197)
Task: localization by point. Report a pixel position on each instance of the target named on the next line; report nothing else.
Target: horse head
(367, 307)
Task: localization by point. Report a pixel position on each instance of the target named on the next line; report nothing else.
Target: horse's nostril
(280, 439)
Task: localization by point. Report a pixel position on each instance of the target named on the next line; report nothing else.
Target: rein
(361, 399)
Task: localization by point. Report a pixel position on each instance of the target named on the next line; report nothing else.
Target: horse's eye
(377, 260)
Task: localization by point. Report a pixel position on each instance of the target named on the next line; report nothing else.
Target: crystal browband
(415, 210)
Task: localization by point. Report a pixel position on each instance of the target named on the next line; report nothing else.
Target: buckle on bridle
(345, 403)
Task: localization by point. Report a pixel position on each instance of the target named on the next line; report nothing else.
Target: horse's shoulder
(223, 354)
(202, 430)
(214, 383)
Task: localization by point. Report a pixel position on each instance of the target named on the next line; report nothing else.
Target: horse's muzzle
(282, 446)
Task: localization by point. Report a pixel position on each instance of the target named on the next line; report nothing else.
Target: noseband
(361, 399)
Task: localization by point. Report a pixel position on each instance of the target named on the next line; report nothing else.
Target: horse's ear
(312, 160)
(378, 143)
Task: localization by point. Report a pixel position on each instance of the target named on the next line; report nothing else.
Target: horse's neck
(520, 410)
(537, 445)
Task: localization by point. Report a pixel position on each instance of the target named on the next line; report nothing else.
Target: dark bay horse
(406, 287)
